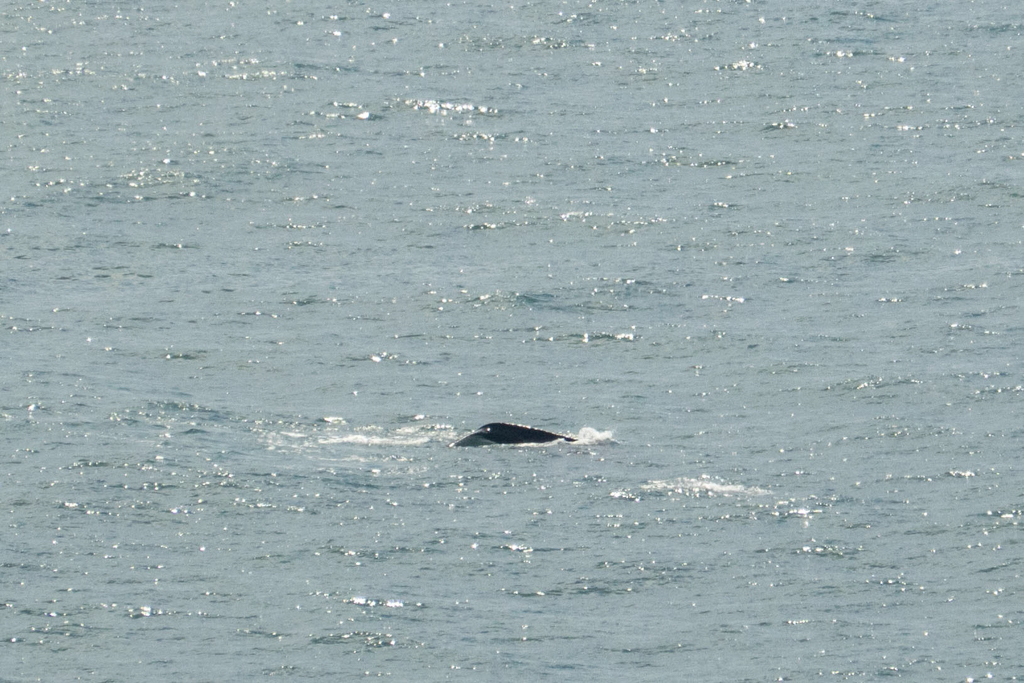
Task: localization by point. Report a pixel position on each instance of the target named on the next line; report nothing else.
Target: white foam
(374, 440)
(285, 440)
(704, 485)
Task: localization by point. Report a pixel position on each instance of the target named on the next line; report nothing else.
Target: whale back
(504, 433)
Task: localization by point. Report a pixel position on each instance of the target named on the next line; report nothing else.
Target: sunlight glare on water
(261, 266)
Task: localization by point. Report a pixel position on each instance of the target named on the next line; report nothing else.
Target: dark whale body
(502, 433)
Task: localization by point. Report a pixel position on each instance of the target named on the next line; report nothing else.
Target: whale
(497, 433)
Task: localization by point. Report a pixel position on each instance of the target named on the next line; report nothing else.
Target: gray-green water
(261, 263)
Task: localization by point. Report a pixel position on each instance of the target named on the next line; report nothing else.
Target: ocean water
(260, 263)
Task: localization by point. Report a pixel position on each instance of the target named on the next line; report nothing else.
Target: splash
(588, 436)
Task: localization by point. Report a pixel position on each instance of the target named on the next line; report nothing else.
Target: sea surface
(262, 262)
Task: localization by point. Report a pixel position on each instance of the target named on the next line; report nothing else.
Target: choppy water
(261, 263)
